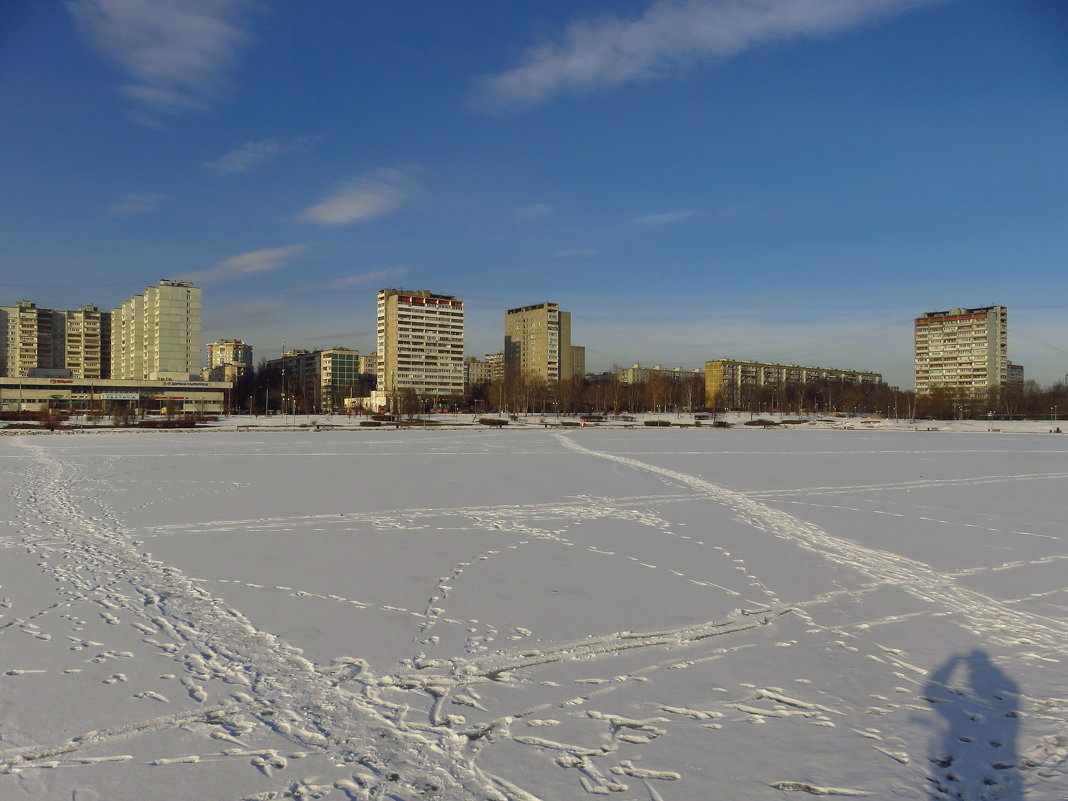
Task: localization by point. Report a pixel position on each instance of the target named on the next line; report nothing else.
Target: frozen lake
(653, 615)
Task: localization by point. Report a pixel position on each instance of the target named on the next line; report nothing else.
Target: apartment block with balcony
(87, 342)
(32, 339)
(420, 343)
(962, 351)
(727, 381)
(76, 343)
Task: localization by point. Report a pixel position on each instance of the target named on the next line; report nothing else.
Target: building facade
(962, 350)
(319, 381)
(727, 382)
(32, 339)
(36, 339)
(87, 342)
(420, 343)
(578, 360)
(476, 372)
(107, 396)
(537, 342)
(636, 374)
(496, 366)
(156, 335)
(229, 351)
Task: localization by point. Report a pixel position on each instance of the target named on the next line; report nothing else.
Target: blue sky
(775, 180)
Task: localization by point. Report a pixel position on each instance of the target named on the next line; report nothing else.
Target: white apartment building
(962, 350)
(420, 343)
(156, 335)
(537, 342)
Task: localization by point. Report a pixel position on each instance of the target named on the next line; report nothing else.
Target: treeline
(530, 394)
(262, 389)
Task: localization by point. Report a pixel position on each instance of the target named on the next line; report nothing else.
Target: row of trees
(262, 389)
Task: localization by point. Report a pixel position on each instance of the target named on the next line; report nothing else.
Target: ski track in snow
(401, 735)
(979, 613)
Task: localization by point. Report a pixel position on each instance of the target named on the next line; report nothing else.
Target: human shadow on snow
(975, 758)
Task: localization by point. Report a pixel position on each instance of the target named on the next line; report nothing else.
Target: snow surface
(653, 614)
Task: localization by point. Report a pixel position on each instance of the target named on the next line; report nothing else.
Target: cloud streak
(663, 219)
(370, 278)
(535, 211)
(253, 155)
(374, 195)
(176, 53)
(137, 204)
(244, 264)
(668, 39)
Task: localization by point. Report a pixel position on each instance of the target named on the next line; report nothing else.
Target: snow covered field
(653, 614)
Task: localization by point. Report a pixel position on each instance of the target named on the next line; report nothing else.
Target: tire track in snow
(978, 613)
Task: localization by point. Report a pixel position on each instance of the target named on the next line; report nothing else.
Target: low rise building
(636, 374)
(108, 395)
(727, 380)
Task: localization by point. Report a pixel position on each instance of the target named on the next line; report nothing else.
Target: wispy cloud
(252, 155)
(133, 205)
(364, 280)
(176, 53)
(251, 263)
(669, 38)
(535, 211)
(663, 219)
(370, 278)
(374, 195)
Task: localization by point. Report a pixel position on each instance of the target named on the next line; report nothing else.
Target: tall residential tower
(537, 342)
(156, 335)
(962, 350)
(420, 342)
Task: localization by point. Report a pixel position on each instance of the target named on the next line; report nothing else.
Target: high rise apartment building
(537, 342)
(578, 360)
(32, 339)
(156, 335)
(728, 382)
(962, 350)
(229, 351)
(420, 342)
(36, 339)
(87, 342)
